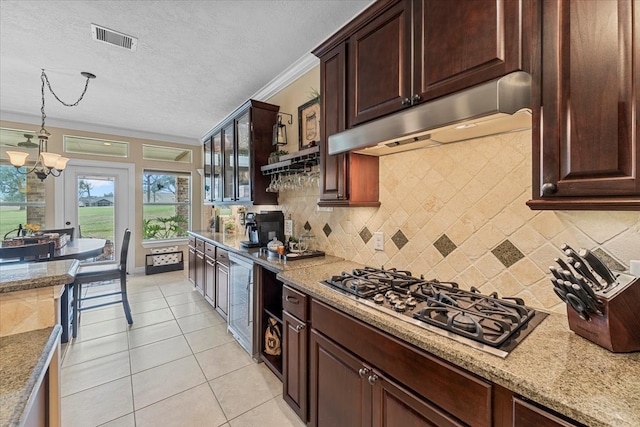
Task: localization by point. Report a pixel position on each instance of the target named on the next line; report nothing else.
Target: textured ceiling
(195, 63)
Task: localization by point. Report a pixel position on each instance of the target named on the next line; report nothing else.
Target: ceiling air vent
(106, 35)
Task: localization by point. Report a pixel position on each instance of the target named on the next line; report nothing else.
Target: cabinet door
(216, 167)
(207, 189)
(244, 161)
(222, 289)
(210, 281)
(380, 65)
(528, 415)
(461, 43)
(192, 265)
(295, 364)
(336, 172)
(229, 162)
(395, 406)
(200, 268)
(332, 86)
(338, 395)
(587, 156)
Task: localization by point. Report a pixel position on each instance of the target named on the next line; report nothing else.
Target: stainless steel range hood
(499, 106)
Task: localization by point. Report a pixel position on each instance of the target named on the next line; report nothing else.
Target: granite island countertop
(24, 359)
(552, 366)
(33, 275)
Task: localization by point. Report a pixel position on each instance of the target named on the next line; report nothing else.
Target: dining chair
(27, 253)
(97, 273)
(68, 231)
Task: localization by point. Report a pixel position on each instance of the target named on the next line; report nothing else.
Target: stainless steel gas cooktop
(487, 322)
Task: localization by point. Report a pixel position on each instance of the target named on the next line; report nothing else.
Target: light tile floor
(175, 366)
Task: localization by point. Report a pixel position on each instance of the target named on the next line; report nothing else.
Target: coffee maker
(262, 227)
(251, 231)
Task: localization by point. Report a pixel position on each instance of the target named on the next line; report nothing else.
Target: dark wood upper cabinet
(461, 43)
(585, 144)
(380, 65)
(346, 179)
(239, 145)
(418, 50)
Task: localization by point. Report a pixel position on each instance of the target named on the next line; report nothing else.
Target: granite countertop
(24, 360)
(552, 366)
(32, 275)
(232, 243)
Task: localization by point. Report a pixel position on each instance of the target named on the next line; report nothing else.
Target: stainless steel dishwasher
(241, 304)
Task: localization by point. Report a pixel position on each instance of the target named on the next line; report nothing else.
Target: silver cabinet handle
(415, 98)
(548, 189)
(300, 327)
(372, 379)
(405, 101)
(363, 372)
(292, 300)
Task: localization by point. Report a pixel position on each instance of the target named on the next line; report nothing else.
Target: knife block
(618, 329)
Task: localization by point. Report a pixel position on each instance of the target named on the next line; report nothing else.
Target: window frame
(158, 242)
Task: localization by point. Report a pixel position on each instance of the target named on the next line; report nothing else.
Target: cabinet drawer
(200, 245)
(192, 242)
(210, 250)
(527, 415)
(222, 256)
(295, 303)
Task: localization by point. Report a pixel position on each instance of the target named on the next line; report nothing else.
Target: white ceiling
(195, 63)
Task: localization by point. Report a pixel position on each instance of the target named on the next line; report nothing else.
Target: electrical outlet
(378, 241)
(634, 268)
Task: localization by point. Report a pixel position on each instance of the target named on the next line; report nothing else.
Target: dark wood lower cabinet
(526, 414)
(222, 289)
(352, 374)
(295, 336)
(346, 392)
(338, 395)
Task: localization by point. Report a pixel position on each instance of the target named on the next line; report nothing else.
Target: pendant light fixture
(46, 163)
(280, 130)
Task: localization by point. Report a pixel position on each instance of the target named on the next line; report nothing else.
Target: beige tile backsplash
(475, 193)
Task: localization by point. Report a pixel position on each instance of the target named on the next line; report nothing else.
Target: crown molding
(34, 120)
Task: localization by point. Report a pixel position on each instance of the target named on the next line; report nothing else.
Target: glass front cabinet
(236, 149)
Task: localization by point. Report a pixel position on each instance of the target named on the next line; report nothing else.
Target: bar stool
(97, 273)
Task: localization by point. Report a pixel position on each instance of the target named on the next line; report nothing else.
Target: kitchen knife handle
(588, 275)
(598, 266)
(555, 272)
(563, 265)
(579, 292)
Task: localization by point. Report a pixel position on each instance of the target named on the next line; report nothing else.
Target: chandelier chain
(46, 79)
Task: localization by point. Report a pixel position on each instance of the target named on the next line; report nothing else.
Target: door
(295, 364)
(243, 171)
(459, 43)
(99, 199)
(241, 302)
(338, 393)
(380, 66)
(588, 123)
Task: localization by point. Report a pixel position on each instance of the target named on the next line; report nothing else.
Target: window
(166, 154)
(93, 146)
(21, 200)
(166, 208)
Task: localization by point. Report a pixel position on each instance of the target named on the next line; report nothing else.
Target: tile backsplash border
(473, 193)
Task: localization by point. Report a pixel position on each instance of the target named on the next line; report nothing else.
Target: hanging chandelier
(47, 163)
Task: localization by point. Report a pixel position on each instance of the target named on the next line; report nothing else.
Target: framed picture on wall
(309, 124)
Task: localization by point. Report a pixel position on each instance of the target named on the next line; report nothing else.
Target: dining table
(80, 248)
